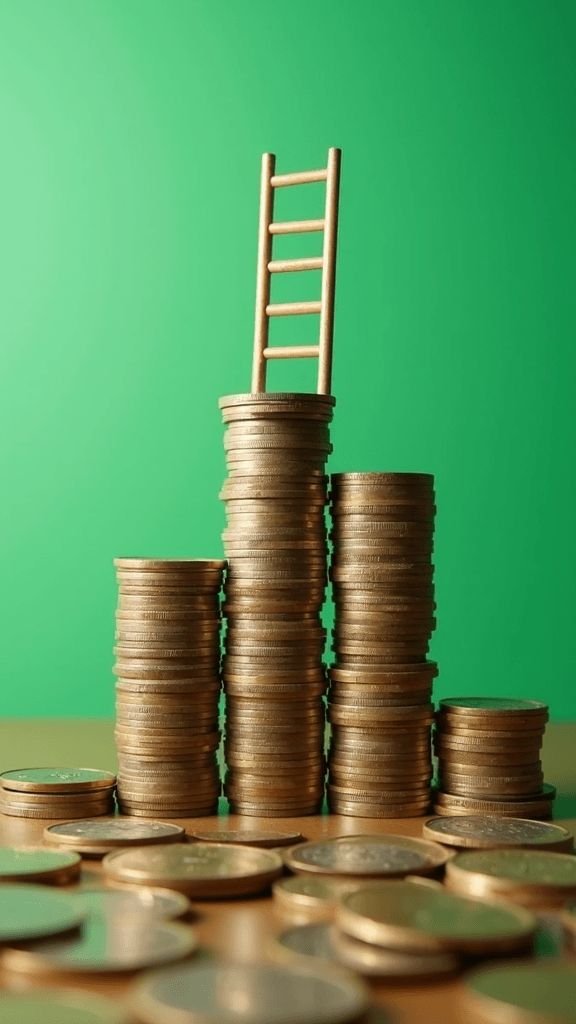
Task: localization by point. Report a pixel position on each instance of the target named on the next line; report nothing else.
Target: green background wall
(131, 139)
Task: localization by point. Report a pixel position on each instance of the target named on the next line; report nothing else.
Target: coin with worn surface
(248, 837)
(401, 915)
(361, 856)
(108, 943)
(35, 864)
(159, 903)
(483, 831)
(251, 994)
(50, 1007)
(522, 993)
(57, 780)
(202, 870)
(529, 877)
(32, 911)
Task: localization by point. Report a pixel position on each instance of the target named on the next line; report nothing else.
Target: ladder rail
(266, 266)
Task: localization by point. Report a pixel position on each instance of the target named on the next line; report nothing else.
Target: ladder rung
(296, 227)
(289, 266)
(292, 352)
(293, 308)
(298, 178)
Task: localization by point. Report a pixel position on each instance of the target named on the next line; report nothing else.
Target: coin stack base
(488, 751)
(60, 793)
(168, 686)
(275, 542)
(381, 683)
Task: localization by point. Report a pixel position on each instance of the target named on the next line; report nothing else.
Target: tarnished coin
(63, 1007)
(304, 898)
(106, 945)
(401, 915)
(252, 993)
(538, 992)
(35, 864)
(484, 831)
(527, 877)
(386, 856)
(102, 836)
(202, 870)
(249, 837)
(32, 911)
(109, 904)
(57, 780)
(375, 962)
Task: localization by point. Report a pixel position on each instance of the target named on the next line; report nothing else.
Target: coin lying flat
(57, 780)
(52, 1007)
(375, 962)
(401, 915)
(486, 832)
(305, 898)
(388, 856)
(493, 705)
(251, 994)
(32, 911)
(97, 837)
(35, 864)
(527, 877)
(249, 837)
(159, 903)
(522, 993)
(110, 944)
(202, 870)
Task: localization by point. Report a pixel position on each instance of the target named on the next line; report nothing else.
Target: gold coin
(201, 870)
(521, 993)
(485, 832)
(35, 864)
(400, 915)
(111, 834)
(360, 856)
(304, 898)
(248, 837)
(527, 877)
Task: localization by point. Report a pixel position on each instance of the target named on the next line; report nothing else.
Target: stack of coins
(168, 669)
(275, 542)
(64, 793)
(489, 757)
(381, 683)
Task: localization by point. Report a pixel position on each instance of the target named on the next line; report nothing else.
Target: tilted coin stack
(168, 685)
(381, 683)
(275, 542)
(488, 752)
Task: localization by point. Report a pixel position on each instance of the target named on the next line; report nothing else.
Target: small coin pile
(488, 751)
(64, 793)
(275, 542)
(397, 929)
(381, 683)
(168, 685)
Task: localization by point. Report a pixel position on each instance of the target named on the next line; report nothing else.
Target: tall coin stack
(381, 683)
(275, 542)
(488, 752)
(168, 685)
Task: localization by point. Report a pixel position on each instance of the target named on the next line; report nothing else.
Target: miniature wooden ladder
(267, 266)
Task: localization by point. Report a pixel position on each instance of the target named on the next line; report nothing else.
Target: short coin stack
(275, 542)
(168, 657)
(488, 752)
(381, 683)
(64, 793)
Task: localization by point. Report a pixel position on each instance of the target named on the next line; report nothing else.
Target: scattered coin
(477, 832)
(305, 898)
(201, 870)
(524, 993)
(375, 962)
(107, 944)
(163, 904)
(249, 837)
(326, 995)
(386, 856)
(401, 915)
(32, 911)
(35, 864)
(531, 878)
(63, 1007)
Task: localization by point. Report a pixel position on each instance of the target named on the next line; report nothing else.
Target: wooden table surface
(240, 929)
